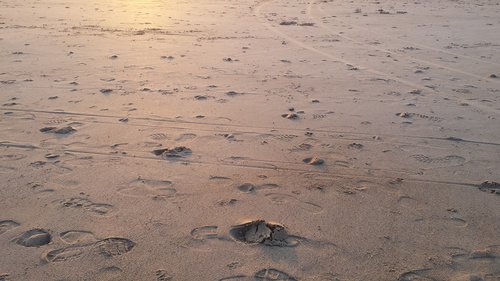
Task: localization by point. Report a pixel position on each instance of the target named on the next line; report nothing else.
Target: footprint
(55, 122)
(150, 182)
(464, 265)
(84, 203)
(176, 152)
(273, 274)
(363, 185)
(250, 188)
(67, 253)
(60, 131)
(302, 147)
(162, 275)
(235, 277)
(415, 275)
(99, 208)
(408, 201)
(341, 163)
(158, 136)
(204, 232)
(418, 115)
(262, 232)
(77, 237)
(12, 157)
(227, 202)
(450, 159)
(111, 247)
(33, 238)
(7, 225)
(247, 188)
(108, 247)
(222, 178)
(184, 137)
(457, 221)
(279, 198)
(490, 187)
(148, 187)
(110, 273)
(268, 186)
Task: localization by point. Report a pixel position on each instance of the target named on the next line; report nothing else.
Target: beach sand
(250, 140)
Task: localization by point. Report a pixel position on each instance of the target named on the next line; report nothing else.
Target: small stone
(51, 156)
(290, 116)
(176, 152)
(314, 161)
(288, 23)
(64, 131)
(106, 91)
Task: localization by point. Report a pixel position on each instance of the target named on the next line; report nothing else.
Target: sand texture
(250, 140)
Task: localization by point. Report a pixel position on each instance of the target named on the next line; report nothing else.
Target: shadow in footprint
(33, 238)
(262, 232)
(490, 187)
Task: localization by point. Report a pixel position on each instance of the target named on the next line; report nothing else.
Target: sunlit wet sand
(249, 140)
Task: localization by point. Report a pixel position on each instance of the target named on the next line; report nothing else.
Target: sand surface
(140, 139)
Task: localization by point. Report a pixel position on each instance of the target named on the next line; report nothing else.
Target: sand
(249, 140)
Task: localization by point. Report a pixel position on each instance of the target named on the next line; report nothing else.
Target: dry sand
(140, 139)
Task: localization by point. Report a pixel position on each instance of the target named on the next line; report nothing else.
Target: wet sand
(249, 140)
